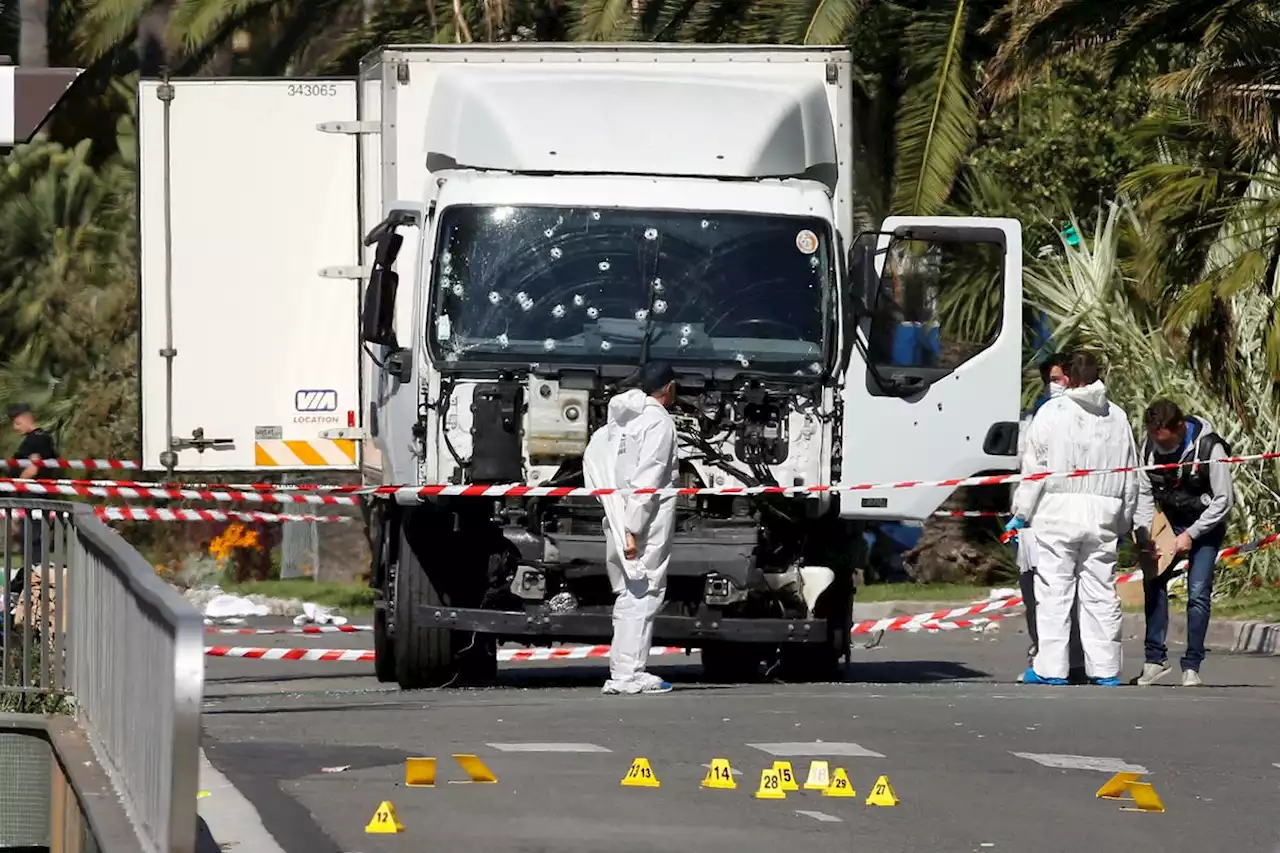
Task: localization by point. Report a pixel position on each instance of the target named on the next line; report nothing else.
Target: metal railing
(88, 624)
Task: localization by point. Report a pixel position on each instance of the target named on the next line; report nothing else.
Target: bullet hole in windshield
(503, 340)
(605, 346)
(595, 214)
(550, 232)
(604, 266)
(494, 297)
(651, 233)
(658, 286)
(684, 342)
(549, 344)
(593, 312)
(579, 300)
(642, 315)
(557, 311)
(526, 301)
(459, 290)
(556, 252)
(686, 330)
(742, 360)
(659, 306)
(706, 223)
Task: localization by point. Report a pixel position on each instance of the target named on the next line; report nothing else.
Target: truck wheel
(731, 663)
(423, 655)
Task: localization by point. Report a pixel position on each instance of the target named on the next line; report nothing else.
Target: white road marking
(818, 748)
(547, 747)
(822, 816)
(1083, 762)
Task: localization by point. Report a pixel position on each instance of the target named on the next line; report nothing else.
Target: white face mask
(1056, 390)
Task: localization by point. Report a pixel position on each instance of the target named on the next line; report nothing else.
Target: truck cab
(533, 223)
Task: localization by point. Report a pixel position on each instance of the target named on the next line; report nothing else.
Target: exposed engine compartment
(744, 555)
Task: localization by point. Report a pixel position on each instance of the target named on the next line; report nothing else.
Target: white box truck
(439, 272)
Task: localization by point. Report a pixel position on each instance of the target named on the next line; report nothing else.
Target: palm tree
(1215, 143)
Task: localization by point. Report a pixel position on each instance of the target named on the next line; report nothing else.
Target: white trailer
(438, 272)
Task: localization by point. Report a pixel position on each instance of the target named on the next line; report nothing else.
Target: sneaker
(1191, 678)
(1152, 672)
(619, 688)
(644, 683)
(1030, 677)
(650, 683)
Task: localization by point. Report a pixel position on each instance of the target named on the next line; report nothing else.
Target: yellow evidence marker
(419, 772)
(1145, 799)
(819, 776)
(1117, 786)
(476, 769)
(787, 775)
(641, 775)
(770, 785)
(840, 786)
(384, 820)
(719, 775)
(882, 793)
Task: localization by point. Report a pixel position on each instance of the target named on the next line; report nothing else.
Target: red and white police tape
(349, 494)
(85, 488)
(138, 513)
(364, 655)
(90, 464)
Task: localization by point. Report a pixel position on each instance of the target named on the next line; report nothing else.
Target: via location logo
(315, 400)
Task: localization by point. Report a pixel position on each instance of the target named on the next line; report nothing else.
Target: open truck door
(249, 232)
(933, 384)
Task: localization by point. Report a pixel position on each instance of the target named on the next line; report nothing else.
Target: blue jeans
(1203, 558)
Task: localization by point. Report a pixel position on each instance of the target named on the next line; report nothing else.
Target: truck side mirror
(378, 321)
(863, 280)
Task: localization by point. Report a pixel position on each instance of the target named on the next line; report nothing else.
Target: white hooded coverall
(1077, 523)
(635, 449)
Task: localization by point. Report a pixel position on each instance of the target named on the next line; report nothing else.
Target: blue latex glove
(1015, 523)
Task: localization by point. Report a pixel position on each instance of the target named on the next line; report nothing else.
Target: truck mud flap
(592, 627)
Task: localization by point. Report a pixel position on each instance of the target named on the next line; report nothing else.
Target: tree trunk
(33, 39)
(962, 550)
(152, 44)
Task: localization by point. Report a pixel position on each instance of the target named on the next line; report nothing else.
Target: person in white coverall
(1053, 376)
(636, 449)
(1077, 523)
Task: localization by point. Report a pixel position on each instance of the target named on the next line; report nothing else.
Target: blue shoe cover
(1030, 677)
(1113, 681)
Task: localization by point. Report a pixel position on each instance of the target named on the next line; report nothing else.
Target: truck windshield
(558, 284)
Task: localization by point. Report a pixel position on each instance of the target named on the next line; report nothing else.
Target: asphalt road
(979, 763)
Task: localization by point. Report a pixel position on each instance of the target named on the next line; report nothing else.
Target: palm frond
(937, 115)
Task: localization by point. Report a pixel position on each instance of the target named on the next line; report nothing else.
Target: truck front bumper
(591, 627)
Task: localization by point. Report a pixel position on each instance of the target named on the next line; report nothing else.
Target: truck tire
(423, 655)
